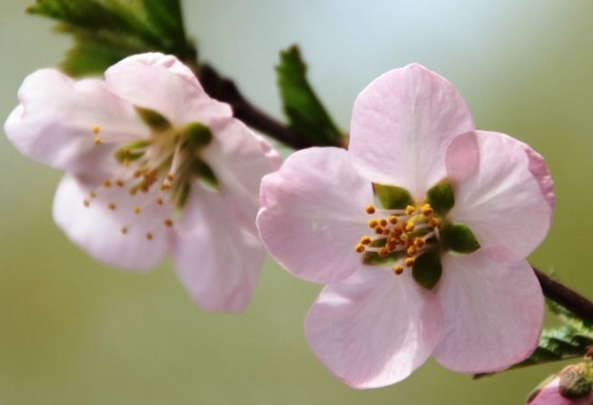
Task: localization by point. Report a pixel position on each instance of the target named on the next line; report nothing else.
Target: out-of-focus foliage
(106, 31)
(305, 112)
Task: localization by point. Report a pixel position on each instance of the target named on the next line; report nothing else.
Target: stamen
(148, 236)
(359, 248)
(427, 210)
(168, 223)
(398, 269)
(124, 230)
(409, 262)
(111, 206)
(410, 209)
(370, 209)
(137, 210)
(86, 203)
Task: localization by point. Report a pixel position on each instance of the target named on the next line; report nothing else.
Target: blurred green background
(75, 332)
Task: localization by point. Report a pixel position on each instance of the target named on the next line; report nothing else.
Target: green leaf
(459, 238)
(304, 110)
(428, 269)
(441, 197)
(155, 120)
(392, 197)
(106, 31)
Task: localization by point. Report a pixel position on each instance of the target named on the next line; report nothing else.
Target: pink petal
(493, 313)
(217, 259)
(54, 122)
(162, 83)
(313, 214)
(503, 191)
(97, 229)
(274, 158)
(550, 395)
(375, 328)
(239, 160)
(401, 126)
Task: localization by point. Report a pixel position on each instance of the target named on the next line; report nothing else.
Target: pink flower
(461, 209)
(154, 166)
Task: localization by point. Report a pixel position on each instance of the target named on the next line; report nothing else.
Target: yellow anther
(97, 140)
(86, 203)
(409, 227)
(419, 243)
(383, 252)
(138, 173)
(133, 192)
(126, 163)
(373, 223)
(148, 236)
(379, 230)
(170, 177)
(111, 206)
(398, 269)
(124, 230)
(107, 184)
(403, 237)
(96, 129)
(164, 187)
(137, 210)
(359, 248)
(427, 210)
(159, 201)
(370, 209)
(393, 220)
(119, 183)
(365, 240)
(434, 222)
(410, 209)
(383, 222)
(168, 223)
(411, 250)
(386, 232)
(93, 194)
(409, 262)
(391, 246)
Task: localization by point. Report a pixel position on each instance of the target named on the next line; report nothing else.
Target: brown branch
(564, 296)
(224, 89)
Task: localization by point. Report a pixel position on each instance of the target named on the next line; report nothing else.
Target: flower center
(156, 171)
(414, 235)
(399, 234)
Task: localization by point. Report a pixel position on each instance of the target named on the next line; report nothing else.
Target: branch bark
(226, 90)
(569, 299)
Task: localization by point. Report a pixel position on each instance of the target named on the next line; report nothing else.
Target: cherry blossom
(153, 166)
(420, 230)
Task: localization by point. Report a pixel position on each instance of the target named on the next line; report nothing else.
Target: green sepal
(441, 197)
(459, 238)
(206, 174)
(373, 259)
(392, 197)
(128, 152)
(155, 120)
(197, 134)
(182, 195)
(427, 269)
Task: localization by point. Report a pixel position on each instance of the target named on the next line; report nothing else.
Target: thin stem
(562, 295)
